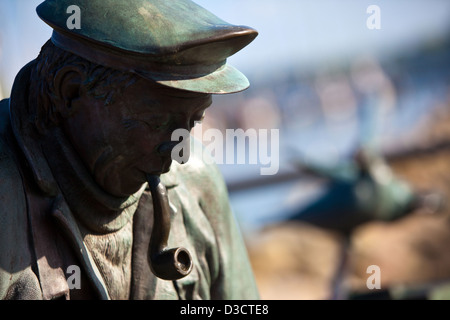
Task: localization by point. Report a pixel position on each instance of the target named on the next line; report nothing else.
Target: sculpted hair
(100, 82)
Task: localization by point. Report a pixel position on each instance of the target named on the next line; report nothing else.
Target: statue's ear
(67, 85)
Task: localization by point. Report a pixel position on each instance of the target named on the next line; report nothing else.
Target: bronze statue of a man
(87, 180)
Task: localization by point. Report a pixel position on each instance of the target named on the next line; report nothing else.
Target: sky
(303, 32)
(307, 31)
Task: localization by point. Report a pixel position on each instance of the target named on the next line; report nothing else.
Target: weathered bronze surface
(168, 264)
(92, 202)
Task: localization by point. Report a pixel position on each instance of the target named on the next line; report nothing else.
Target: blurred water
(259, 207)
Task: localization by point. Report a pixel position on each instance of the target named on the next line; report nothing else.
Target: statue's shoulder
(11, 187)
(4, 118)
(15, 250)
(5, 138)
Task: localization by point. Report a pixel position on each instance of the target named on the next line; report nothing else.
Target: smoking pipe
(165, 263)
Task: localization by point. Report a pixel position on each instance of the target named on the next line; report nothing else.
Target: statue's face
(123, 142)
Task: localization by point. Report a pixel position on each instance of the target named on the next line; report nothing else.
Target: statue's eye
(153, 121)
(162, 125)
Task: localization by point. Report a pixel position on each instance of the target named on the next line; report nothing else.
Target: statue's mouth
(165, 149)
(166, 163)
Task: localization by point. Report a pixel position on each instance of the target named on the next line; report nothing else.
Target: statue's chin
(119, 183)
(166, 166)
(119, 190)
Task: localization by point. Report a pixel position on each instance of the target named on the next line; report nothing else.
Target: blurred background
(364, 142)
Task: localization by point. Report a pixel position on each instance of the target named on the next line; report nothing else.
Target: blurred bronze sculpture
(87, 180)
(362, 190)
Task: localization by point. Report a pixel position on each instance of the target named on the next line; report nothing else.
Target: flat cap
(176, 43)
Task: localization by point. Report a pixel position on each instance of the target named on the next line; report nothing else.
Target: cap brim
(224, 80)
(175, 43)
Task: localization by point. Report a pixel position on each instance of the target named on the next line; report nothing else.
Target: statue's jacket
(42, 248)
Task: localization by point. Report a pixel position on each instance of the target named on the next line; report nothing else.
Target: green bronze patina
(86, 174)
(176, 43)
